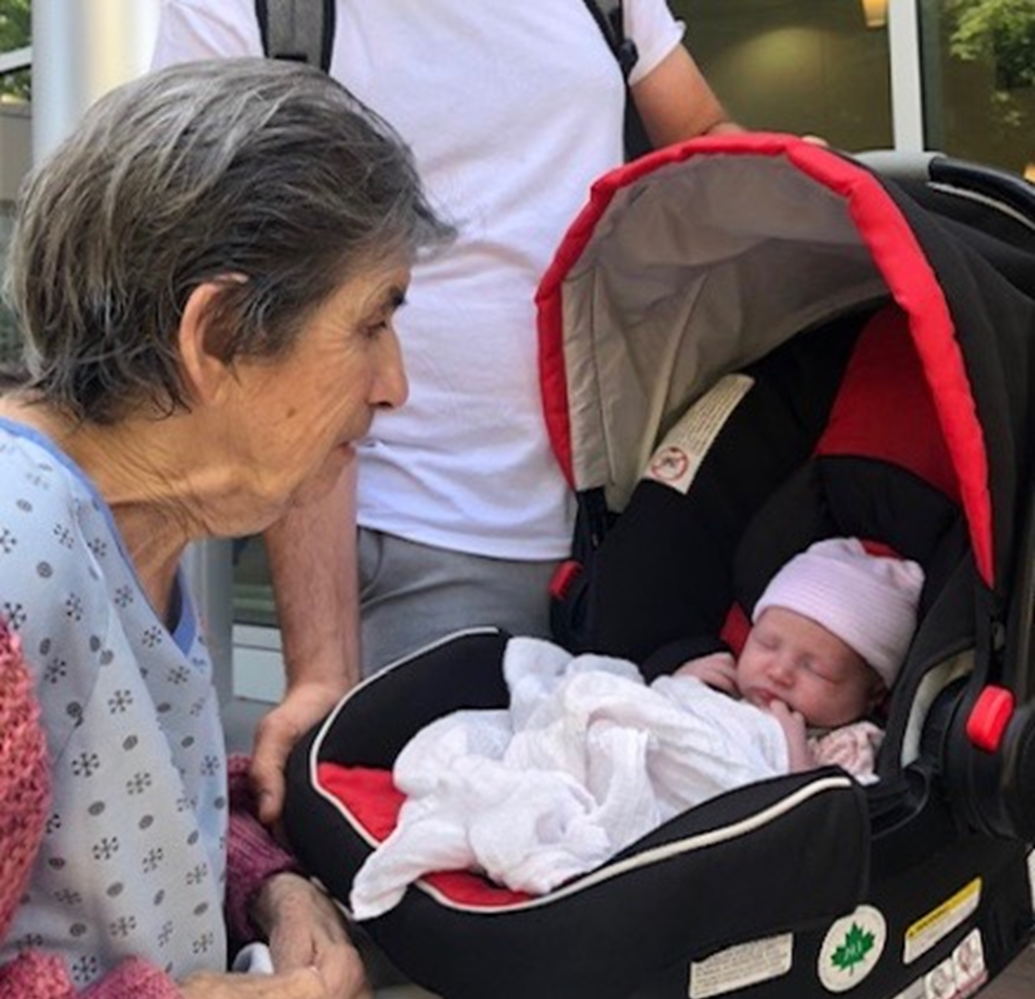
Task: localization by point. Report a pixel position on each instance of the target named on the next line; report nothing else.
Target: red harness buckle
(988, 720)
(563, 578)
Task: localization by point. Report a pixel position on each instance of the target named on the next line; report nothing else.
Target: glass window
(800, 66)
(978, 60)
(253, 596)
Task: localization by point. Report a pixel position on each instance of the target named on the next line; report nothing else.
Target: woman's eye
(373, 330)
(384, 320)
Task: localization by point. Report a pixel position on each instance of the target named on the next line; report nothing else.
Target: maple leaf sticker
(851, 949)
(857, 944)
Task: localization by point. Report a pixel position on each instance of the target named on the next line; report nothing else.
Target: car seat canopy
(701, 258)
(654, 309)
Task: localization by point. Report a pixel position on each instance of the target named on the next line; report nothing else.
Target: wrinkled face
(791, 658)
(294, 418)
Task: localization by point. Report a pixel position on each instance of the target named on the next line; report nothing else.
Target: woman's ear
(205, 374)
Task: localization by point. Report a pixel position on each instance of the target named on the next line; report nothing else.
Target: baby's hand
(793, 725)
(718, 670)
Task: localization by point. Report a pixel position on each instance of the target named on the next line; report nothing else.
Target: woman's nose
(391, 386)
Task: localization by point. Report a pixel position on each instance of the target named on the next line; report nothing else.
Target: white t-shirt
(512, 110)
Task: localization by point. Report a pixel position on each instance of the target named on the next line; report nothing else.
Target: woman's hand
(306, 932)
(312, 955)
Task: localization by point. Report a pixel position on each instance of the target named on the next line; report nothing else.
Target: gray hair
(267, 177)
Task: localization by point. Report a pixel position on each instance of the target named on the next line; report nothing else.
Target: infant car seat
(748, 343)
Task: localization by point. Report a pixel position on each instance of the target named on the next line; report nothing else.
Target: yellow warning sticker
(940, 922)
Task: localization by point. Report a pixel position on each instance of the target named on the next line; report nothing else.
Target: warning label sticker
(940, 922)
(960, 975)
(738, 967)
(677, 458)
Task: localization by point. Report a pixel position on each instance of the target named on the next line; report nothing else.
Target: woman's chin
(326, 477)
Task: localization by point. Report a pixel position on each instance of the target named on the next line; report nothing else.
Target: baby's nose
(781, 670)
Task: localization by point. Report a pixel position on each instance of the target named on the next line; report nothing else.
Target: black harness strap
(608, 15)
(609, 19)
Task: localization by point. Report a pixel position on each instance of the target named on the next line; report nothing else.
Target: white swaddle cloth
(585, 761)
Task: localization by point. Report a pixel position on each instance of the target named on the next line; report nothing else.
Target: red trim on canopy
(896, 253)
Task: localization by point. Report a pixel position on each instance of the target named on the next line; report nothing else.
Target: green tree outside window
(1003, 33)
(15, 33)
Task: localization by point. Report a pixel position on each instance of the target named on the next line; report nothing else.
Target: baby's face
(790, 658)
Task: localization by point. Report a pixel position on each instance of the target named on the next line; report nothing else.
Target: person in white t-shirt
(512, 110)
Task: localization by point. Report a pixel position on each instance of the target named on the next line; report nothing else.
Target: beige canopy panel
(694, 270)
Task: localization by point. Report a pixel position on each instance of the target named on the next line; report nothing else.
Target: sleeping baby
(587, 758)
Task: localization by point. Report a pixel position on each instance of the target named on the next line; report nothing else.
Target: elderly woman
(206, 273)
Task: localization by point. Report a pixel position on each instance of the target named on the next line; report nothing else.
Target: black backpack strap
(608, 15)
(609, 19)
(298, 30)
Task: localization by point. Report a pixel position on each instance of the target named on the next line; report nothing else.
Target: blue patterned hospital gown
(133, 858)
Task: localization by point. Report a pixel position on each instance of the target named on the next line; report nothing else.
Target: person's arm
(676, 102)
(269, 898)
(313, 956)
(313, 567)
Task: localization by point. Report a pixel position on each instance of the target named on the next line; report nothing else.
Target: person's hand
(793, 725)
(311, 951)
(303, 983)
(302, 707)
(305, 930)
(718, 670)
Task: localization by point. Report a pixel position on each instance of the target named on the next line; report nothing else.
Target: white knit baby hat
(868, 601)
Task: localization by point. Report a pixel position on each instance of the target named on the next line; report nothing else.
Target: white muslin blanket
(586, 760)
